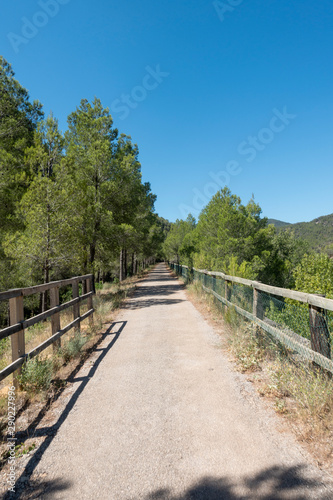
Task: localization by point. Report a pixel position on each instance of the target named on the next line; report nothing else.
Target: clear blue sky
(225, 73)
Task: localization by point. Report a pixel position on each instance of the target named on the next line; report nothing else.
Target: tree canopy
(233, 238)
(73, 203)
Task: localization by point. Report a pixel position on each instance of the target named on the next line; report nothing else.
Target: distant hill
(318, 233)
(278, 223)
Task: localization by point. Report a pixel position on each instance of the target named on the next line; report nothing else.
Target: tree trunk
(44, 295)
(125, 263)
(132, 265)
(92, 256)
(46, 270)
(121, 266)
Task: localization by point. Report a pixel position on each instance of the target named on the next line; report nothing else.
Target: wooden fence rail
(319, 348)
(18, 324)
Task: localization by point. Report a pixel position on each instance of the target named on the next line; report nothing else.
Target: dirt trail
(162, 415)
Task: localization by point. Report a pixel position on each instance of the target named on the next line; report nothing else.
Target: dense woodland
(69, 204)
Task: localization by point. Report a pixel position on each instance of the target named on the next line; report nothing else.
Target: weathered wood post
(16, 315)
(90, 300)
(320, 335)
(76, 307)
(227, 293)
(55, 319)
(258, 311)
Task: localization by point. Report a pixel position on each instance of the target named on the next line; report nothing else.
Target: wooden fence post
(76, 307)
(16, 315)
(320, 335)
(258, 311)
(55, 318)
(90, 300)
(227, 293)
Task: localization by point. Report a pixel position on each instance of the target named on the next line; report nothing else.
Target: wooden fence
(317, 350)
(18, 324)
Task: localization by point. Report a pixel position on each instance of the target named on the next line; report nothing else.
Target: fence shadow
(157, 290)
(140, 304)
(275, 483)
(22, 483)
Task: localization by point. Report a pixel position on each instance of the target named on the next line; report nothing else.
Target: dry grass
(295, 389)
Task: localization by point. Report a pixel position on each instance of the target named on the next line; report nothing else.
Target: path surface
(163, 416)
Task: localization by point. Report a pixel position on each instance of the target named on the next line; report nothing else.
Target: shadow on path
(151, 302)
(149, 293)
(159, 274)
(157, 290)
(275, 483)
(22, 484)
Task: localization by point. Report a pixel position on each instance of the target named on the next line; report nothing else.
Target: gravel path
(162, 415)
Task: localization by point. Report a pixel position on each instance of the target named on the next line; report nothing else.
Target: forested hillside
(277, 223)
(318, 233)
(69, 204)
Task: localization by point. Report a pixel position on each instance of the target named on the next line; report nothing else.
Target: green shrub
(65, 294)
(4, 345)
(294, 315)
(37, 374)
(73, 347)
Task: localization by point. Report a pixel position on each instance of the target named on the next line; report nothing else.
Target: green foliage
(277, 263)
(21, 449)
(231, 233)
(233, 238)
(314, 274)
(66, 293)
(73, 347)
(18, 120)
(232, 317)
(181, 240)
(291, 314)
(36, 375)
(69, 205)
(232, 267)
(4, 345)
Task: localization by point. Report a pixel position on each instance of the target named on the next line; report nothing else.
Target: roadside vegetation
(299, 391)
